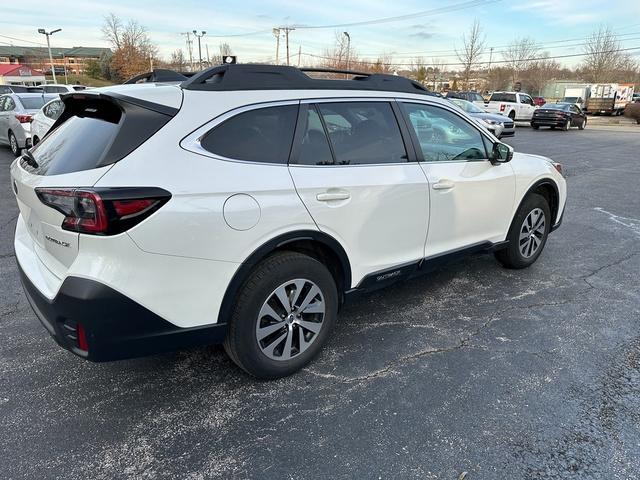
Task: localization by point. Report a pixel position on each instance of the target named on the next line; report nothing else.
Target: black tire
(534, 126)
(566, 126)
(35, 141)
(13, 144)
(512, 115)
(241, 342)
(511, 256)
(583, 124)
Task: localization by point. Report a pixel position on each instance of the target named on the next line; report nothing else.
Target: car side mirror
(502, 153)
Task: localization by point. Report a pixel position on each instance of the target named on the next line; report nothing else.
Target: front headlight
(490, 122)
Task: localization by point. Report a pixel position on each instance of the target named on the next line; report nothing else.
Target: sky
(420, 28)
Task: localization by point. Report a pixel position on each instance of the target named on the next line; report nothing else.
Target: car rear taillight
(103, 211)
(558, 167)
(23, 118)
(82, 338)
(502, 107)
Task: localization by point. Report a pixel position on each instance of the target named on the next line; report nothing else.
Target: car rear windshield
(556, 106)
(94, 132)
(503, 97)
(33, 103)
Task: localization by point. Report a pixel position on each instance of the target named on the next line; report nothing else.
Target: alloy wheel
(290, 319)
(13, 143)
(532, 233)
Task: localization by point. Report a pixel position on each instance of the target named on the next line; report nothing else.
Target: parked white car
(16, 111)
(246, 204)
(62, 88)
(517, 106)
(42, 120)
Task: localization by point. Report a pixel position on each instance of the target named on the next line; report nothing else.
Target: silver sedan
(16, 111)
(499, 125)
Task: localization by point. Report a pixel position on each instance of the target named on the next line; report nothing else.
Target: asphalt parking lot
(501, 374)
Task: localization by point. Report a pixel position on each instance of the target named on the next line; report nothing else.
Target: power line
(23, 40)
(410, 16)
(532, 59)
(398, 18)
(541, 45)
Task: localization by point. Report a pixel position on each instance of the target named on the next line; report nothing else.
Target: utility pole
(202, 34)
(276, 33)
(64, 61)
(299, 55)
(189, 49)
(490, 58)
(208, 61)
(286, 37)
(48, 34)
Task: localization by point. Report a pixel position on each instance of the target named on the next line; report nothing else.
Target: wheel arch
(318, 245)
(549, 190)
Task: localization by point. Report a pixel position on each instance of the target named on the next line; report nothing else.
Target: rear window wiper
(30, 159)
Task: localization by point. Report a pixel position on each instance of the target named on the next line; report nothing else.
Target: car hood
(491, 116)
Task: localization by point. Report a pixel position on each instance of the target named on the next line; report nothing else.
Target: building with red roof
(17, 74)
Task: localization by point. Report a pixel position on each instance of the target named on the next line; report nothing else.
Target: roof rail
(159, 75)
(281, 77)
(334, 70)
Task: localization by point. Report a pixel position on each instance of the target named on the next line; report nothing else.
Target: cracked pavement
(525, 374)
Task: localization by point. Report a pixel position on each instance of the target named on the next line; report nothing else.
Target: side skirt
(384, 278)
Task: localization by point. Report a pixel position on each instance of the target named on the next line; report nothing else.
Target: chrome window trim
(452, 110)
(193, 141)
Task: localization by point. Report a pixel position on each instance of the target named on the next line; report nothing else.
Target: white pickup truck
(516, 105)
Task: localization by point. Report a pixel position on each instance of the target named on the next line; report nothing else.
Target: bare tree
(520, 55)
(224, 50)
(540, 73)
(177, 61)
(498, 78)
(419, 70)
(473, 44)
(111, 30)
(134, 53)
(336, 56)
(603, 56)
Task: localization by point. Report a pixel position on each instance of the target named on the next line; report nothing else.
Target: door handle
(329, 196)
(444, 185)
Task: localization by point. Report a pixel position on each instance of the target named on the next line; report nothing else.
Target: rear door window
(363, 133)
(261, 135)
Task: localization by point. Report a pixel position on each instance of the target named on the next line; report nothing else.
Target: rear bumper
(548, 122)
(116, 327)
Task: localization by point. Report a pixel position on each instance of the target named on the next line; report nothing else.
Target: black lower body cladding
(115, 326)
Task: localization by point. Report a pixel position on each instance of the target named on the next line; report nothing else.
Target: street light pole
(276, 33)
(202, 34)
(346, 34)
(48, 34)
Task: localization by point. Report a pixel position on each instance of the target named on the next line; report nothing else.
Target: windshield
(467, 106)
(556, 106)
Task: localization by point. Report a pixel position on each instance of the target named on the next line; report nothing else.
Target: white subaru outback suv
(244, 205)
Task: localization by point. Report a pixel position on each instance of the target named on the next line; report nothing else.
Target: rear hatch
(94, 131)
